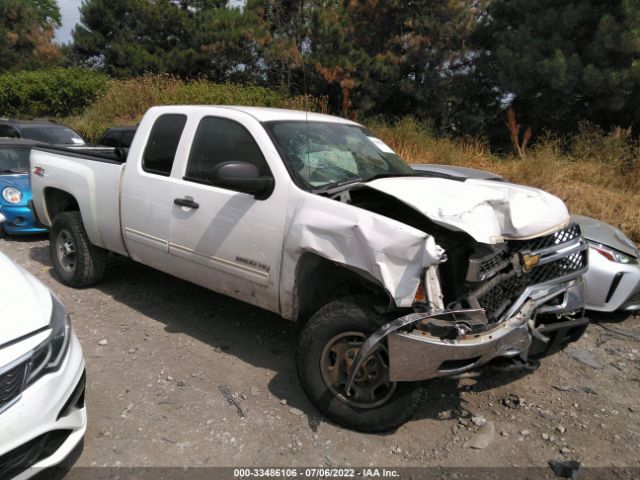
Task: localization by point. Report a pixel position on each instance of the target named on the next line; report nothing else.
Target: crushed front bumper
(422, 346)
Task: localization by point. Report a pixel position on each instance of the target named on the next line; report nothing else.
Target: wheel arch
(58, 201)
(319, 280)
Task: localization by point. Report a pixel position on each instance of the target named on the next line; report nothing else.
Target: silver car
(613, 279)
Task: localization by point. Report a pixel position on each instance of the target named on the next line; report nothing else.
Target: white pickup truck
(395, 276)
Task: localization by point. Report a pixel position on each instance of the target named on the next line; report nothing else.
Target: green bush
(55, 92)
(124, 102)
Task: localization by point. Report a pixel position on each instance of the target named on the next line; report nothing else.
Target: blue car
(15, 191)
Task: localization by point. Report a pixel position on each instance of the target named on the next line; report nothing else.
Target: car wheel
(328, 343)
(77, 262)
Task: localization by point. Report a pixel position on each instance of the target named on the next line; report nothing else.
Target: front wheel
(327, 346)
(76, 260)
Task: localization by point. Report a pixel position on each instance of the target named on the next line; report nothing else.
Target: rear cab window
(162, 144)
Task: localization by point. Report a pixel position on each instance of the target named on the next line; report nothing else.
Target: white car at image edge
(42, 377)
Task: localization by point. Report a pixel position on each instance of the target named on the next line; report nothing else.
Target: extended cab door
(146, 198)
(225, 240)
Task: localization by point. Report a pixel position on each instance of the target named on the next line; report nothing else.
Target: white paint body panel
(489, 211)
(27, 308)
(209, 245)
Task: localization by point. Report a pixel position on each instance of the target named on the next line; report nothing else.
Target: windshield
(321, 154)
(14, 160)
(55, 134)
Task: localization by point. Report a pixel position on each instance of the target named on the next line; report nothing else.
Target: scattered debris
(545, 436)
(478, 421)
(296, 412)
(224, 390)
(566, 388)
(560, 429)
(283, 401)
(511, 401)
(620, 331)
(103, 342)
(483, 437)
(330, 460)
(254, 391)
(565, 450)
(585, 357)
(569, 469)
(524, 433)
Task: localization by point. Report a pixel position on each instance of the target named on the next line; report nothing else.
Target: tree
(26, 33)
(187, 38)
(392, 57)
(557, 63)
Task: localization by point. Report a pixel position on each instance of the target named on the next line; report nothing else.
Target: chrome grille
(11, 384)
(561, 236)
(495, 295)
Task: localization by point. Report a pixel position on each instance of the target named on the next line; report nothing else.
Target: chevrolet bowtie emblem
(530, 261)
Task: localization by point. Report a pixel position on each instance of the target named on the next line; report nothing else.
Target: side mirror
(242, 177)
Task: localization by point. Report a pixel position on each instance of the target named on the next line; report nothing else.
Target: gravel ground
(158, 348)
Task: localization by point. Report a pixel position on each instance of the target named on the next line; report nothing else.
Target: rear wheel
(77, 262)
(327, 347)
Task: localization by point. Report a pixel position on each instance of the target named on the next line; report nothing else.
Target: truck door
(225, 240)
(146, 201)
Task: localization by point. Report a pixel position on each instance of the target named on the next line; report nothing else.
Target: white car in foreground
(42, 377)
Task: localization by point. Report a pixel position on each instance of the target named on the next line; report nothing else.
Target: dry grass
(596, 174)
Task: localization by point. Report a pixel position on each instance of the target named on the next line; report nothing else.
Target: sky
(70, 16)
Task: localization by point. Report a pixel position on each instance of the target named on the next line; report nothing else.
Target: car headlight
(12, 195)
(48, 356)
(613, 255)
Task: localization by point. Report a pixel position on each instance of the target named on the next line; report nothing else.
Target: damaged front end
(524, 299)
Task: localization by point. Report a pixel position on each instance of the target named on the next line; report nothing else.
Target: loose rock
(483, 437)
(585, 357)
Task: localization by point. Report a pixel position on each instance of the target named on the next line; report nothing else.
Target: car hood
(19, 180)
(26, 303)
(489, 211)
(605, 234)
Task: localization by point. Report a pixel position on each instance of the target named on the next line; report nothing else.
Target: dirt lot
(158, 348)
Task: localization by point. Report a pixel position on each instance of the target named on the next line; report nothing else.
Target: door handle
(185, 202)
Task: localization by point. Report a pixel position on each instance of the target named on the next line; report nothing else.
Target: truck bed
(92, 176)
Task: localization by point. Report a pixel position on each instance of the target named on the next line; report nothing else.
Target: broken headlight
(48, 356)
(613, 255)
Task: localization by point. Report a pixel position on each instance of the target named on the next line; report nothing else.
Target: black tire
(350, 314)
(77, 262)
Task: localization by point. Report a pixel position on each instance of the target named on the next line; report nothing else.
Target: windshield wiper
(334, 185)
(13, 170)
(389, 175)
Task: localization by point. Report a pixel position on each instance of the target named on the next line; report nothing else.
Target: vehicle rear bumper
(20, 220)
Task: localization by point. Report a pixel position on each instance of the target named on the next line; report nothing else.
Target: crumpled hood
(487, 210)
(26, 303)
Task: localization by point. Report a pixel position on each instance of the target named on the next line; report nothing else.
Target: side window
(221, 140)
(110, 139)
(8, 131)
(162, 144)
(127, 138)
